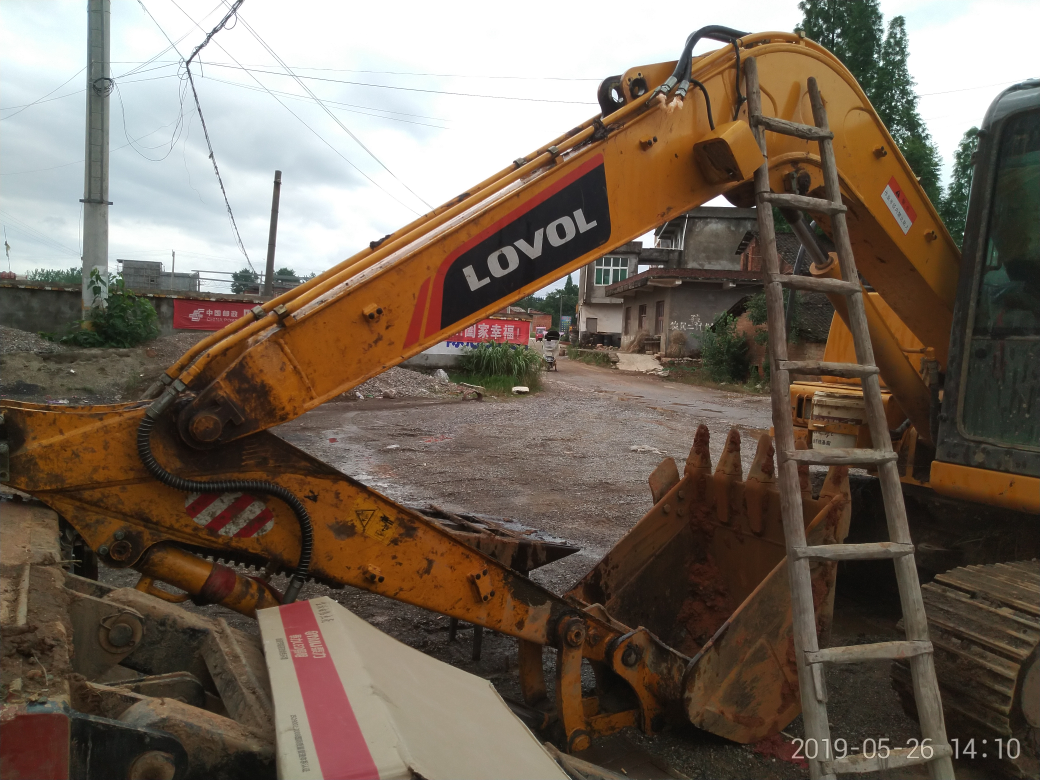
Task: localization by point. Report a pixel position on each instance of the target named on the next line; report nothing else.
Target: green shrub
(56, 276)
(492, 358)
(120, 320)
(724, 351)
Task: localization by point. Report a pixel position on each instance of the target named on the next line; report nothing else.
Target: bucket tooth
(836, 483)
(663, 479)
(727, 473)
(762, 467)
(700, 457)
(760, 493)
(698, 466)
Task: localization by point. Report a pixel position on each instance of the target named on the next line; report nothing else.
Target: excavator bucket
(705, 571)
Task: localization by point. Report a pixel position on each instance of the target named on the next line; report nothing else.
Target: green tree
(285, 272)
(724, 351)
(853, 31)
(244, 280)
(56, 275)
(551, 303)
(954, 206)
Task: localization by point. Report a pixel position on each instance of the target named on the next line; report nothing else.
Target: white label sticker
(899, 205)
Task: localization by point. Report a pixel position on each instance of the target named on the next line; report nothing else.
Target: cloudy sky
(441, 94)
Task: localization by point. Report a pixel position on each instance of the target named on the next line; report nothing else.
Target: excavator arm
(154, 484)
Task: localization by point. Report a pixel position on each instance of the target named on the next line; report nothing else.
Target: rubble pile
(13, 340)
(400, 382)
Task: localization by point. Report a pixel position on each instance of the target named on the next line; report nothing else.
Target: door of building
(659, 318)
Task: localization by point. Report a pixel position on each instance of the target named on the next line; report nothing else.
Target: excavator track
(984, 622)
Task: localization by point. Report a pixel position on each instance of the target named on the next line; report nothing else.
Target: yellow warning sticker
(375, 524)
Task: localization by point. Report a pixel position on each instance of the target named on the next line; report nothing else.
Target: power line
(300, 119)
(415, 73)
(334, 118)
(411, 89)
(33, 233)
(198, 107)
(342, 106)
(41, 99)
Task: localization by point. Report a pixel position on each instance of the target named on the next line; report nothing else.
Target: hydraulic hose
(144, 450)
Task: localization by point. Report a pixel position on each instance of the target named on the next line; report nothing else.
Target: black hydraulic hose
(714, 32)
(707, 101)
(144, 450)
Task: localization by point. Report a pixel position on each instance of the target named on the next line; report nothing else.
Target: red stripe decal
(433, 319)
(342, 750)
(255, 524)
(229, 513)
(200, 503)
(417, 314)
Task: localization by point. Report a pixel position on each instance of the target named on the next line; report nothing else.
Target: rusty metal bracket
(569, 707)
(103, 633)
(482, 582)
(532, 673)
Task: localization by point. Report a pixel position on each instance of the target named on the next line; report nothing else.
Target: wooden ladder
(810, 658)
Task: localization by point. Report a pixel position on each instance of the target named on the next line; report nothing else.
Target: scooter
(549, 348)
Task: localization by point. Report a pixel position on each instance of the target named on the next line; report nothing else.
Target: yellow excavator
(688, 617)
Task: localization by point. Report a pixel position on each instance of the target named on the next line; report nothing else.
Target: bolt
(574, 633)
(103, 549)
(121, 635)
(631, 656)
(119, 535)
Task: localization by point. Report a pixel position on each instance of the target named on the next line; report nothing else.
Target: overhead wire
(42, 99)
(341, 106)
(334, 118)
(304, 123)
(202, 119)
(411, 89)
(17, 224)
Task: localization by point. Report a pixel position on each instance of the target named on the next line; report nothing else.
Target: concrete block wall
(52, 308)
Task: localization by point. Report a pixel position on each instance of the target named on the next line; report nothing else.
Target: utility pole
(269, 275)
(95, 181)
(173, 269)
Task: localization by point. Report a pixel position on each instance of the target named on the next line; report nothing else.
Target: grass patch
(702, 378)
(500, 367)
(594, 357)
(496, 385)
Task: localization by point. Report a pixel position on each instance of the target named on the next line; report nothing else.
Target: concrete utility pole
(269, 275)
(173, 269)
(95, 182)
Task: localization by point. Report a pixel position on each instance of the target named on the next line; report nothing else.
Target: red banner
(207, 315)
(512, 331)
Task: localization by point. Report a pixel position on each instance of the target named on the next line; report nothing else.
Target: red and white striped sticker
(899, 205)
(230, 514)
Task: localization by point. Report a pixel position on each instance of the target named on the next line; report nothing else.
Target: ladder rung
(853, 552)
(782, 126)
(815, 284)
(813, 367)
(839, 456)
(896, 758)
(879, 651)
(803, 203)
